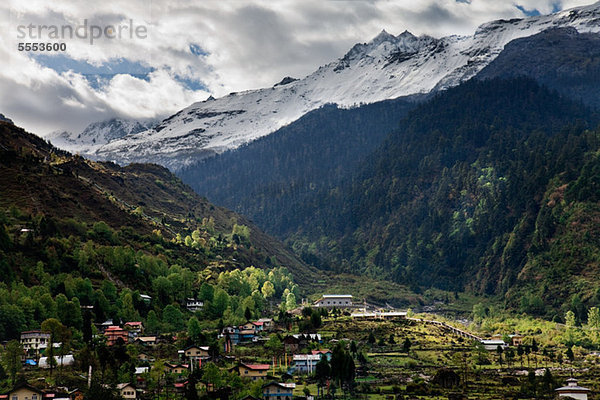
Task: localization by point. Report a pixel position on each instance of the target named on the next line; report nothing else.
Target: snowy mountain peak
(383, 36)
(96, 135)
(386, 67)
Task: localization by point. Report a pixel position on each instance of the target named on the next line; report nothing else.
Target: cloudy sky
(150, 58)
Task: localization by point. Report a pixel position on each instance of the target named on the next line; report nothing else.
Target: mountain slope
(387, 67)
(96, 134)
(288, 169)
(559, 58)
(130, 225)
(41, 180)
(562, 267)
(452, 194)
(449, 199)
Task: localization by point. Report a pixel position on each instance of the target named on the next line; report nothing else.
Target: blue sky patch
(197, 50)
(530, 13)
(96, 75)
(99, 76)
(191, 84)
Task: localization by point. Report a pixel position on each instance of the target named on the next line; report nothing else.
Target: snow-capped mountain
(387, 67)
(96, 135)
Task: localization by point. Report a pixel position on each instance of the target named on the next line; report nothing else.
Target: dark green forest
(285, 170)
(455, 197)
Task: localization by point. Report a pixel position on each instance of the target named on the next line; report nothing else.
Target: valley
(418, 219)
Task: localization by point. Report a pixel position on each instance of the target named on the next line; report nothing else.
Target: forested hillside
(455, 197)
(285, 170)
(75, 232)
(454, 192)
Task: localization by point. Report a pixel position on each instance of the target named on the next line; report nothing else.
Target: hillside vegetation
(456, 197)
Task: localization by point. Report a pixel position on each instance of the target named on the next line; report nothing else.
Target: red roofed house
(180, 387)
(258, 326)
(267, 323)
(113, 333)
(253, 371)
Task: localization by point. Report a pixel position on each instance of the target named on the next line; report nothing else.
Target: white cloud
(248, 44)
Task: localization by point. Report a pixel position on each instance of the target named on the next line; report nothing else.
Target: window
(15, 397)
(34, 397)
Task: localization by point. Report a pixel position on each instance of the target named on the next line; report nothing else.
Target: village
(290, 356)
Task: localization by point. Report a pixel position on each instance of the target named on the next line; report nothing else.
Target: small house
(146, 340)
(253, 371)
(24, 391)
(196, 354)
(34, 341)
(176, 368)
(573, 390)
(291, 344)
(135, 328)
(145, 298)
(114, 333)
(127, 391)
(306, 363)
(267, 324)
(334, 301)
(516, 339)
(231, 334)
(193, 305)
(325, 352)
(278, 391)
(258, 326)
(248, 326)
(492, 344)
(104, 325)
(141, 370)
(180, 387)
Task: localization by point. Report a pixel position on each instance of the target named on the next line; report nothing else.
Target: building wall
(577, 396)
(304, 367)
(128, 392)
(194, 352)
(334, 302)
(274, 392)
(178, 370)
(24, 394)
(35, 341)
(252, 373)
